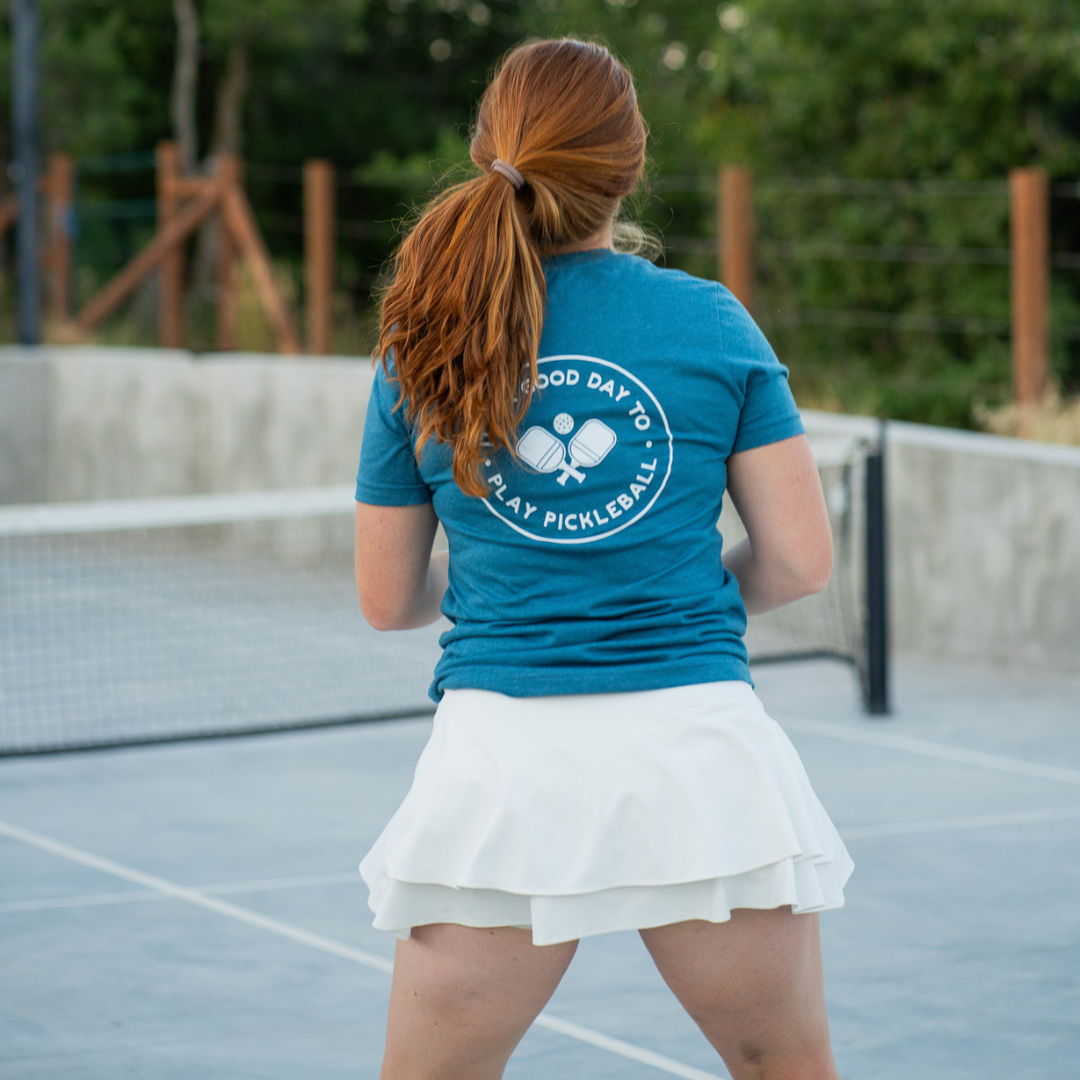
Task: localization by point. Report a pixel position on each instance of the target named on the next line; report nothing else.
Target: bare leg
(462, 998)
(754, 987)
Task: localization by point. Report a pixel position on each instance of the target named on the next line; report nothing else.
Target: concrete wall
(86, 423)
(984, 532)
(986, 548)
(25, 426)
(984, 544)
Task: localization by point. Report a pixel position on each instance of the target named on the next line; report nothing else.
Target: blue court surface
(193, 910)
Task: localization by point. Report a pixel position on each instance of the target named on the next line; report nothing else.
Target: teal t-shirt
(593, 564)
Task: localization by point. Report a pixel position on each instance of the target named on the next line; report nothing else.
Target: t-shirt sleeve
(768, 413)
(388, 473)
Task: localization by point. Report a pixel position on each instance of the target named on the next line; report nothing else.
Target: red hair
(464, 310)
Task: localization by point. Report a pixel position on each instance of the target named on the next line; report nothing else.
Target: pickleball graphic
(542, 451)
(592, 422)
(591, 445)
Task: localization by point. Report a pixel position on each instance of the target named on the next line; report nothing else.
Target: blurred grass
(1055, 419)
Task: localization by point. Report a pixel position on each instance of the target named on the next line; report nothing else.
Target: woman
(598, 760)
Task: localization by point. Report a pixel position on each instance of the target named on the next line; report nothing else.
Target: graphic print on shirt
(592, 460)
(588, 447)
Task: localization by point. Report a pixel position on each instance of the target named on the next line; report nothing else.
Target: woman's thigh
(462, 998)
(754, 987)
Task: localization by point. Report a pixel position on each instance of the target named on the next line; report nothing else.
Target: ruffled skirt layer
(583, 814)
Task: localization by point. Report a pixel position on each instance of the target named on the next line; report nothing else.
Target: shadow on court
(193, 910)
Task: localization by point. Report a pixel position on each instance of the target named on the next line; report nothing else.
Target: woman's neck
(605, 238)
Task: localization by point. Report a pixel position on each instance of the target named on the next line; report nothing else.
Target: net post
(24, 69)
(876, 686)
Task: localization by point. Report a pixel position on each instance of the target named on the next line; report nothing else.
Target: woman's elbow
(384, 618)
(816, 567)
(820, 576)
(804, 569)
(377, 618)
(374, 606)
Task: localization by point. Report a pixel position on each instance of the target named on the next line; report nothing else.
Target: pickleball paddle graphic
(589, 413)
(546, 453)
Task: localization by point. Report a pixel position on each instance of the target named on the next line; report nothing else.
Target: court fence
(332, 230)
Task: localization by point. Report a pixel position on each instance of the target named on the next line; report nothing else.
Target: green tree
(950, 91)
(935, 90)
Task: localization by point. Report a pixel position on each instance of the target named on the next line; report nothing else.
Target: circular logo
(592, 459)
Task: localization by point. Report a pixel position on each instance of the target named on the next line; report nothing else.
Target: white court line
(327, 945)
(975, 821)
(624, 1049)
(93, 900)
(193, 896)
(297, 881)
(925, 748)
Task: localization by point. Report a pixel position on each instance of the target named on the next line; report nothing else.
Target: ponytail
(464, 311)
(463, 319)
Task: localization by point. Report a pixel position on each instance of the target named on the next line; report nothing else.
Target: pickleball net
(151, 620)
(848, 620)
(158, 619)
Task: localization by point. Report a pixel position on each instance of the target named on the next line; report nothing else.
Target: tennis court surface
(193, 910)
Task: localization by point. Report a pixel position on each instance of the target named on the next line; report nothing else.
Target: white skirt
(582, 814)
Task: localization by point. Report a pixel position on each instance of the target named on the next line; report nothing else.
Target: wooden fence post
(240, 221)
(154, 255)
(736, 240)
(184, 203)
(319, 254)
(9, 212)
(172, 265)
(1029, 220)
(61, 189)
(230, 173)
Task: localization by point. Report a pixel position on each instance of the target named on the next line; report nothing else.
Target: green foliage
(101, 67)
(930, 90)
(956, 91)
(918, 89)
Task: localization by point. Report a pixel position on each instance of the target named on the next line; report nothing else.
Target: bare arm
(400, 582)
(787, 553)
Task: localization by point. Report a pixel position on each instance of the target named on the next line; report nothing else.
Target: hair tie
(504, 168)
